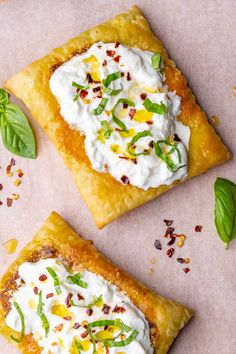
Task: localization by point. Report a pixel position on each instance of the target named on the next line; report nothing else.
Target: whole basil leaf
(16, 132)
(225, 209)
(3, 97)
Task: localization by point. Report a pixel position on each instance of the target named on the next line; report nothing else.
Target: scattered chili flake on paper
(198, 228)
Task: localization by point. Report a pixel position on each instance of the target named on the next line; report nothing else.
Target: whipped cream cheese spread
(76, 312)
(117, 97)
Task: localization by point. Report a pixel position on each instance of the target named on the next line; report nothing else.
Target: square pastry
(62, 296)
(121, 115)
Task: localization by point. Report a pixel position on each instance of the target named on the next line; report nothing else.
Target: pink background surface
(201, 37)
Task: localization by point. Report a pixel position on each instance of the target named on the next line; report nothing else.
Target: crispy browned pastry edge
(57, 239)
(107, 198)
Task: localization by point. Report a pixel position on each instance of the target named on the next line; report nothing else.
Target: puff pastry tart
(121, 115)
(62, 296)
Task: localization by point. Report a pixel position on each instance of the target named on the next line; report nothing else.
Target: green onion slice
(22, 319)
(115, 119)
(166, 156)
(108, 81)
(156, 61)
(121, 343)
(56, 280)
(76, 279)
(100, 108)
(136, 138)
(155, 107)
(106, 129)
(45, 323)
(80, 87)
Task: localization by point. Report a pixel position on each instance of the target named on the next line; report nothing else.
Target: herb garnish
(45, 323)
(136, 138)
(117, 120)
(79, 88)
(156, 61)
(225, 209)
(17, 135)
(108, 81)
(106, 129)
(166, 156)
(76, 279)
(95, 302)
(22, 319)
(56, 280)
(155, 107)
(100, 108)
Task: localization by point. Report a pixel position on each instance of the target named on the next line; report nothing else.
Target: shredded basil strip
(92, 339)
(45, 323)
(121, 343)
(117, 120)
(156, 61)
(76, 279)
(115, 323)
(100, 107)
(56, 280)
(136, 138)
(22, 319)
(165, 157)
(96, 300)
(106, 129)
(108, 81)
(155, 107)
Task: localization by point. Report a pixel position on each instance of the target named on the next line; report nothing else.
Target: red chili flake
(118, 309)
(99, 95)
(169, 231)
(20, 174)
(117, 58)
(106, 309)
(125, 179)
(132, 112)
(186, 270)
(1, 186)
(176, 138)
(12, 162)
(49, 295)
(151, 144)
(181, 260)
(80, 297)
(104, 63)
(97, 89)
(1, 202)
(89, 312)
(76, 325)
(168, 222)
(43, 277)
(170, 252)
(9, 202)
(8, 169)
(122, 74)
(99, 46)
(68, 298)
(134, 161)
(89, 77)
(117, 44)
(67, 318)
(125, 105)
(83, 94)
(124, 157)
(128, 76)
(172, 241)
(158, 245)
(36, 290)
(198, 228)
(58, 328)
(84, 334)
(107, 351)
(150, 122)
(110, 53)
(143, 96)
(106, 328)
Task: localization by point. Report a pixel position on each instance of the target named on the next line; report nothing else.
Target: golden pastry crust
(57, 239)
(107, 198)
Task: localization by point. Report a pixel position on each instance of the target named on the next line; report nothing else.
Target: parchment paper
(201, 37)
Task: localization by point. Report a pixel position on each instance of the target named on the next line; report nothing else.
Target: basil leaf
(22, 319)
(135, 139)
(56, 280)
(3, 97)
(45, 323)
(155, 107)
(106, 129)
(78, 86)
(156, 61)
(115, 119)
(16, 132)
(121, 343)
(108, 81)
(225, 209)
(100, 108)
(76, 279)
(166, 156)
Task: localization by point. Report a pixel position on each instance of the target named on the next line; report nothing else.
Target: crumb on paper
(215, 120)
(10, 245)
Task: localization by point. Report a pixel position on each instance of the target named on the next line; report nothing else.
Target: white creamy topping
(62, 318)
(107, 150)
